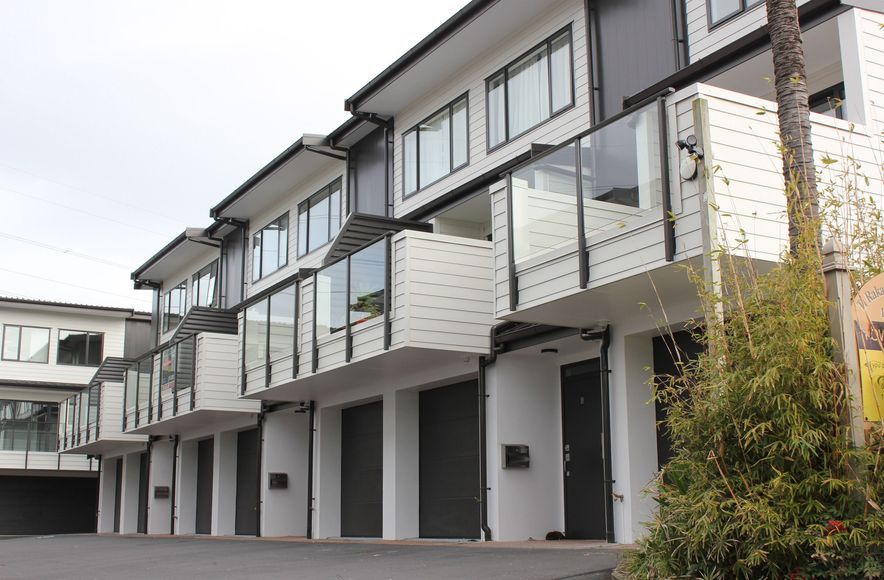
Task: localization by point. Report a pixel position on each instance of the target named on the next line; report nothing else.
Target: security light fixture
(689, 144)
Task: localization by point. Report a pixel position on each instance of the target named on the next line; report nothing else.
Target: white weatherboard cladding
(702, 41)
(871, 52)
(472, 79)
(112, 325)
(217, 369)
(111, 414)
(185, 274)
(289, 204)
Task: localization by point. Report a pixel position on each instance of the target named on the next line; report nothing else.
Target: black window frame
(18, 346)
(261, 273)
(88, 333)
(745, 6)
(166, 303)
(325, 191)
(827, 97)
(465, 97)
(194, 285)
(504, 70)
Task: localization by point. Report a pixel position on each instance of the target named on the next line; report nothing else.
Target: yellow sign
(868, 315)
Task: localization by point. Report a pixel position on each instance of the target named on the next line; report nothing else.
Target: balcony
(595, 224)
(405, 304)
(29, 439)
(90, 421)
(188, 382)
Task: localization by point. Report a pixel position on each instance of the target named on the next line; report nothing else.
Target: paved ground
(135, 557)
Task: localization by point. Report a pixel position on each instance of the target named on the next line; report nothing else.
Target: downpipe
(174, 497)
(311, 430)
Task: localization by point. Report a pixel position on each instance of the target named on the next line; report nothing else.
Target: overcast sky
(122, 122)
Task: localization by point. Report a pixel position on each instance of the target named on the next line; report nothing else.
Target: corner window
(79, 347)
(174, 306)
(829, 102)
(530, 90)
(722, 10)
(319, 218)
(28, 426)
(270, 248)
(436, 146)
(25, 343)
(204, 286)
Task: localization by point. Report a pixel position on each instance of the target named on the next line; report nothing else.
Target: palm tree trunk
(793, 112)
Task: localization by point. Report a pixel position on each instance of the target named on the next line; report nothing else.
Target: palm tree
(793, 112)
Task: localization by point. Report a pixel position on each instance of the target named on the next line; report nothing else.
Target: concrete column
(224, 485)
(159, 515)
(107, 482)
(129, 493)
(284, 511)
(185, 522)
(327, 488)
(401, 467)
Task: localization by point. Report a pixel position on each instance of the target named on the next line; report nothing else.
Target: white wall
(401, 465)
(224, 485)
(129, 496)
(160, 509)
(107, 482)
(185, 516)
(327, 484)
(284, 511)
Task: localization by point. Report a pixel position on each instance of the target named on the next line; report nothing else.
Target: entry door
(449, 462)
(583, 441)
(246, 522)
(668, 350)
(362, 470)
(118, 492)
(143, 470)
(204, 465)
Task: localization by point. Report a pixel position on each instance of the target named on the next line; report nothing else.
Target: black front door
(204, 464)
(362, 470)
(246, 520)
(118, 492)
(671, 352)
(143, 471)
(583, 448)
(449, 461)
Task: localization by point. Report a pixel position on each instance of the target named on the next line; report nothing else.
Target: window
(28, 426)
(319, 218)
(527, 92)
(336, 304)
(722, 10)
(79, 347)
(25, 343)
(436, 146)
(829, 102)
(270, 247)
(174, 306)
(204, 287)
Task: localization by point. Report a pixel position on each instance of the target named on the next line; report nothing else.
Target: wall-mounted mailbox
(161, 492)
(278, 480)
(516, 457)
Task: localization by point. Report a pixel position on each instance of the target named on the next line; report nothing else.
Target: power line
(74, 285)
(65, 251)
(174, 220)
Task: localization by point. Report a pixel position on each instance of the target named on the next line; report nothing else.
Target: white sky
(122, 122)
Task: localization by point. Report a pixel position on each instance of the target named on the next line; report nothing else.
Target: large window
(270, 247)
(530, 90)
(721, 10)
(28, 426)
(25, 343)
(319, 218)
(436, 146)
(337, 304)
(79, 347)
(174, 306)
(204, 286)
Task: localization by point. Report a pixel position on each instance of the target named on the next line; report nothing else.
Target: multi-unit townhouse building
(441, 319)
(50, 352)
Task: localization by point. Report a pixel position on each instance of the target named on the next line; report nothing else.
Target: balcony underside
(189, 420)
(403, 366)
(105, 446)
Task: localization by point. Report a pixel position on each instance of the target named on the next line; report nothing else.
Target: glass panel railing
(145, 383)
(281, 324)
(270, 337)
(331, 299)
(367, 283)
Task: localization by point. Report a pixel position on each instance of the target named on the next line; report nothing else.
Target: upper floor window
(25, 343)
(79, 347)
(319, 218)
(174, 306)
(270, 247)
(829, 102)
(721, 10)
(530, 90)
(204, 286)
(436, 146)
(28, 426)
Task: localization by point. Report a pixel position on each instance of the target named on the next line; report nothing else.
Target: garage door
(362, 456)
(47, 505)
(246, 522)
(449, 462)
(204, 466)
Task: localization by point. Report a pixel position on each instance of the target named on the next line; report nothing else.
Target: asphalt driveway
(135, 557)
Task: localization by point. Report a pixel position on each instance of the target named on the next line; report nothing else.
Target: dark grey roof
(37, 302)
(359, 229)
(202, 319)
(111, 370)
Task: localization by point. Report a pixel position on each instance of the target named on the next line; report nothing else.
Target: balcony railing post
(159, 390)
(314, 363)
(297, 326)
(582, 257)
(348, 331)
(388, 289)
(28, 443)
(242, 366)
(668, 223)
(149, 392)
(193, 374)
(511, 246)
(176, 368)
(268, 367)
(98, 414)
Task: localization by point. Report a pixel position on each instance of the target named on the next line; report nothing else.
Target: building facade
(443, 318)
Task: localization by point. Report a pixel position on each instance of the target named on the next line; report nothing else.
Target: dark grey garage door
(204, 466)
(47, 505)
(246, 521)
(362, 471)
(449, 462)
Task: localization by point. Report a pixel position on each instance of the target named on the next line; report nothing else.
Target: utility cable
(73, 285)
(64, 251)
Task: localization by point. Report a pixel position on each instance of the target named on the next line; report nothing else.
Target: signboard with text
(868, 315)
